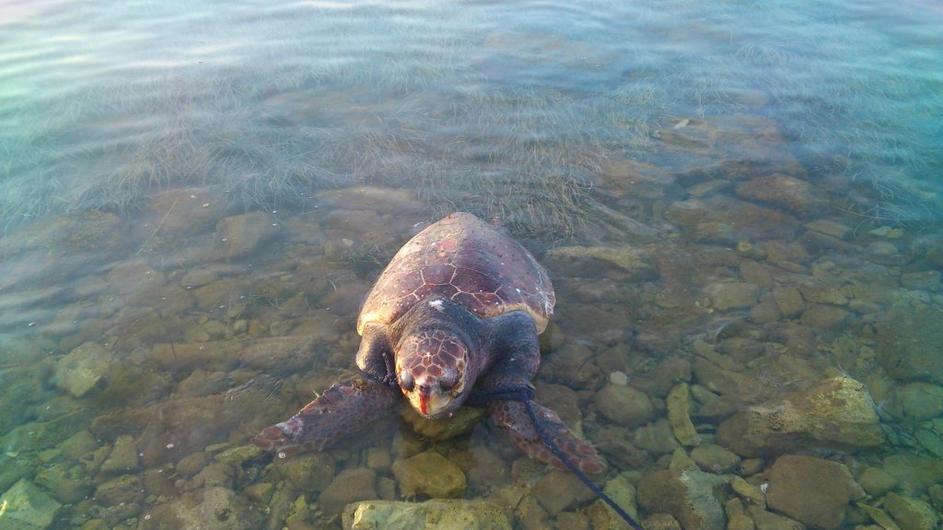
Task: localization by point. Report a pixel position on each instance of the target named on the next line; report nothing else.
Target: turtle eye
(448, 380)
(406, 381)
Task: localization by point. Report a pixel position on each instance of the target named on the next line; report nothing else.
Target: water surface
(194, 198)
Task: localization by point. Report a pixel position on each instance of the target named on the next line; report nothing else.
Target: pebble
(123, 458)
(679, 407)
(681, 461)
(748, 492)
(349, 486)
(715, 459)
(921, 401)
(765, 520)
(436, 514)
(910, 513)
(829, 228)
(732, 295)
(656, 437)
(811, 490)
(619, 378)
(687, 495)
(824, 317)
(83, 369)
(429, 473)
(309, 472)
(661, 521)
(242, 234)
(923, 280)
(28, 507)
(560, 490)
(624, 405)
(789, 300)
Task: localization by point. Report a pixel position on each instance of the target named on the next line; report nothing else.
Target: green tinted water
(736, 197)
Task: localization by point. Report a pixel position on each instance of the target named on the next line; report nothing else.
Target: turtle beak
(429, 400)
(425, 396)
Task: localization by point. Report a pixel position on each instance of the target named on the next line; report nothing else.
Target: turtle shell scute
(468, 261)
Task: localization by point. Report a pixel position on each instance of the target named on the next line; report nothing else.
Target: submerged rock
(783, 191)
(123, 457)
(732, 295)
(68, 485)
(679, 410)
(876, 481)
(624, 405)
(629, 263)
(911, 514)
(824, 317)
(27, 507)
(765, 520)
(656, 437)
(350, 485)
(185, 211)
(242, 234)
(923, 280)
(688, 495)
(811, 490)
(124, 489)
(830, 228)
(661, 521)
(83, 368)
(921, 401)
(728, 220)
(560, 490)
(463, 421)
(311, 472)
(431, 474)
(432, 515)
(216, 508)
(789, 300)
(908, 343)
(12, 470)
(914, 472)
(834, 413)
(715, 459)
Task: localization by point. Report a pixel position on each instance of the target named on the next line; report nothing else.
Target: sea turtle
(458, 308)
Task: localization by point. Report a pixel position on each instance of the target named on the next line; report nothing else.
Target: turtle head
(432, 371)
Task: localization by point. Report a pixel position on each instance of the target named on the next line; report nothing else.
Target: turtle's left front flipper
(516, 359)
(342, 409)
(512, 417)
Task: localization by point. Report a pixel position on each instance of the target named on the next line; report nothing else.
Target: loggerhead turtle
(458, 308)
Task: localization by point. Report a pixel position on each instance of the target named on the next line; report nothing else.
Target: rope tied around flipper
(525, 395)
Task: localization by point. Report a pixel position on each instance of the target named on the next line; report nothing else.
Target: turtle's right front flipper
(342, 409)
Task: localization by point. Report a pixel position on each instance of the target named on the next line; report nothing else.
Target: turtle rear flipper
(342, 409)
(512, 417)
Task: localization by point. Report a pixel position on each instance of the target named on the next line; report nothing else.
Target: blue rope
(525, 395)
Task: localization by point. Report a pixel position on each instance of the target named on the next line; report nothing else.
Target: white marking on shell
(437, 305)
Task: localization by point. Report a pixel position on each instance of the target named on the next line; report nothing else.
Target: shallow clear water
(744, 197)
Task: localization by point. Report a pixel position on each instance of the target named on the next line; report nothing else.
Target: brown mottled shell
(468, 261)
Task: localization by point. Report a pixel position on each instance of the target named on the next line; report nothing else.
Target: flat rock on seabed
(908, 343)
(26, 507)
(688, 495)
(217, 508)
(83, 368)
(834, 413)
(431, 515)
(811, 490)
(431, 474)
(241, 234)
